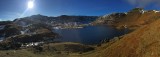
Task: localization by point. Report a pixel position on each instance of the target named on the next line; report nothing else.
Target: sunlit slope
(144, 42)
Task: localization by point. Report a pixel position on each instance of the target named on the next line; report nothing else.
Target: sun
(30, 4)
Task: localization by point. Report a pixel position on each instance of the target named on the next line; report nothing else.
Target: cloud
(143, 3)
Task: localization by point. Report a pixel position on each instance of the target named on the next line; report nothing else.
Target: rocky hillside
(133, 19)
(144, 42)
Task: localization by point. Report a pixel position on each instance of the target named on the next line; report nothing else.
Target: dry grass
(144, 42)
(67, 49)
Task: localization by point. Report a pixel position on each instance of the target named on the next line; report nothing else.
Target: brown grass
(144, 42)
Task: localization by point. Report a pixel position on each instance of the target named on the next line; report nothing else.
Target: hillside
(132, 19)
(66, 49)
(143, 42)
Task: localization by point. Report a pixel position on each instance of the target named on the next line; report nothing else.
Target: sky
(11, 9)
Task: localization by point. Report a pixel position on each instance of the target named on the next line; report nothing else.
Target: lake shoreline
(89, 34)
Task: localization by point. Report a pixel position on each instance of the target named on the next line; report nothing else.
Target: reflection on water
(88, 35)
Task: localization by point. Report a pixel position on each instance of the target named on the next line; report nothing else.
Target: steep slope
(133, 19)
(144, 42)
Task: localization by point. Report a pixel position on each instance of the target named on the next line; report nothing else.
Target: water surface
(89, 34)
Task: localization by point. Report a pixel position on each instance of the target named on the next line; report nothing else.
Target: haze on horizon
(19, 8)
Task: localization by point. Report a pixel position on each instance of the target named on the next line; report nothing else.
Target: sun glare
(30, 4)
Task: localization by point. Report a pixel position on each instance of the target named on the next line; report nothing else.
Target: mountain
(133, 19)
(53, 20)
(35, 28)
(29, 25)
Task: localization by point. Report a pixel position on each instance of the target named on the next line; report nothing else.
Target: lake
(89, 34)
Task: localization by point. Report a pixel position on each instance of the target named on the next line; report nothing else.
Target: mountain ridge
(133, 19)
(54, 20)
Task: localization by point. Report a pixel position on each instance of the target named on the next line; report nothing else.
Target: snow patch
(156, 11)
(105, 16)
(32, 44)
(22, 32)
(126, 13)
(142, 11)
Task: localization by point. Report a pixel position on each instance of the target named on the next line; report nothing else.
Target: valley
(131, 34)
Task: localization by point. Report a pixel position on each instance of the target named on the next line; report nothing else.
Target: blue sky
(11, 9)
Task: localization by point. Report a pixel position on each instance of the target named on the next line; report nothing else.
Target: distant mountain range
(54, 20)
